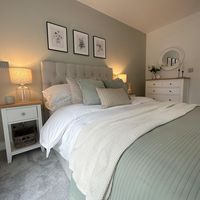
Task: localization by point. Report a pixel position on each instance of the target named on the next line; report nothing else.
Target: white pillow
(57, 96)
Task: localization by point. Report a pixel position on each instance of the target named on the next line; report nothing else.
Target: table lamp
(21, 77)
(123, 77)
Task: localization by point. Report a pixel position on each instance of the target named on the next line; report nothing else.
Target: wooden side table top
(17, 104)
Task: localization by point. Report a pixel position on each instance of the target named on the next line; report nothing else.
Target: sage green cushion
(88, 89)
(116, 83)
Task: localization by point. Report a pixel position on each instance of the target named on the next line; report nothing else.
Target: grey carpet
(32, 177)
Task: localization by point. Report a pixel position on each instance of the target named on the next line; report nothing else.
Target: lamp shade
(123, 77)
(20, 76)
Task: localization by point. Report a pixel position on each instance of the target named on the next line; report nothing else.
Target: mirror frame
(181, 58)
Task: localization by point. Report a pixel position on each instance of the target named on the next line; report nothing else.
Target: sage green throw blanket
(163, 164)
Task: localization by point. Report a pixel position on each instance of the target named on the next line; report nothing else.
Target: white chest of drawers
(168, 89)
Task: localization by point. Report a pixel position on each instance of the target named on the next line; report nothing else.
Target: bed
(145, 150)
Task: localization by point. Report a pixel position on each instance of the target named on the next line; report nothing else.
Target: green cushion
(88, 89)
(116, 83)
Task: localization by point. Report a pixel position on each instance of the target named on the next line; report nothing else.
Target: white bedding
(57, 132)
(80, 136)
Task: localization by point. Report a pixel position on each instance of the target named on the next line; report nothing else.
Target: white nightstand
(17, 113)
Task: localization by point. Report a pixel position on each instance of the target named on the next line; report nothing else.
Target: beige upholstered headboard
(56, 72)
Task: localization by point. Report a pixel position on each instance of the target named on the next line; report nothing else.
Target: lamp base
(23, 93)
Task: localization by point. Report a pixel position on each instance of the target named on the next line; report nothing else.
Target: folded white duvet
(64, 125)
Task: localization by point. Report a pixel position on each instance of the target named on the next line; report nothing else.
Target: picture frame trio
(57, 41)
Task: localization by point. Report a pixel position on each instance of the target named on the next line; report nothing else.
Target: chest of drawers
(168, 89)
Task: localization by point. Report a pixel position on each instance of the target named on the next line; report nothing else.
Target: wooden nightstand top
(18, 104)
(167, 79)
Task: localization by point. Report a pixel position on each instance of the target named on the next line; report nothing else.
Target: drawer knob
(153, 90)
(170, 91)
(170, 83)
(23, 114)
(169, 99)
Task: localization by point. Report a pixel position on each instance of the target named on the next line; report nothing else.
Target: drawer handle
(23, 113)
(169, 99)
(154, 84)
(170, 83)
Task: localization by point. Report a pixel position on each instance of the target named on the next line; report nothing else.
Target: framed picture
(81, 43)
(56, 37)
(99, 47)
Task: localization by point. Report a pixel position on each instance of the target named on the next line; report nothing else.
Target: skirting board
(2, 146)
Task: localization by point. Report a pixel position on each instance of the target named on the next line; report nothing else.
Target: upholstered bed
(145, 150)
(54, 72)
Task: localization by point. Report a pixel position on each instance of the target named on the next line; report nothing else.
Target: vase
(157, 76)
(153, 76)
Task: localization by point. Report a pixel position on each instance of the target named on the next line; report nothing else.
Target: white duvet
(93, 139)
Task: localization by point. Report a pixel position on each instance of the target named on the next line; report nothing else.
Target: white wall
(185, 34)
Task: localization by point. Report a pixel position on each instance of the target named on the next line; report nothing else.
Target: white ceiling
(145, 15)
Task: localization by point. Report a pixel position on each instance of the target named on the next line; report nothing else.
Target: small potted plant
(154, 70)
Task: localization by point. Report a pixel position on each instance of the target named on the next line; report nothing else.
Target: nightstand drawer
(24, 113)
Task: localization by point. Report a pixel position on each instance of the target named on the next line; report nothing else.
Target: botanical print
(99, 47)
(81, 41)
(57, 37)
(81, 44)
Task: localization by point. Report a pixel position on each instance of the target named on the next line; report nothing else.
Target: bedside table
(20, 113)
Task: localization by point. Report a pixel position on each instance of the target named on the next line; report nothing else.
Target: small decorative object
(99, 47)
(179, 73)
(130, 89)
(157, 76)
(21, 76)
(56, 37)
(169, 61)
(174, 61)
(9, 99)
(182, 74)
(154, 70)
(81, 43)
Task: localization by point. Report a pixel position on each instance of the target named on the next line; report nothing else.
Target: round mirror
(171, 58)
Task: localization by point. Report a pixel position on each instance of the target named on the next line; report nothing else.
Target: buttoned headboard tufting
(56, 72)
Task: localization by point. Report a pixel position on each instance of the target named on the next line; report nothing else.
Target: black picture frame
(99, 47)
(57, 37)
(80, 43)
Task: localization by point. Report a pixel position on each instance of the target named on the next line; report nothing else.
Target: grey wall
(23, 40)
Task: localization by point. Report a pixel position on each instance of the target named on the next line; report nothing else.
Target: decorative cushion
(116, 83)
(57, 96)
(113, 97)
(75, 91)
(88, 89)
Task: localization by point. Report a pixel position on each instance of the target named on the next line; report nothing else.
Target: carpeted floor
(32, 177)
